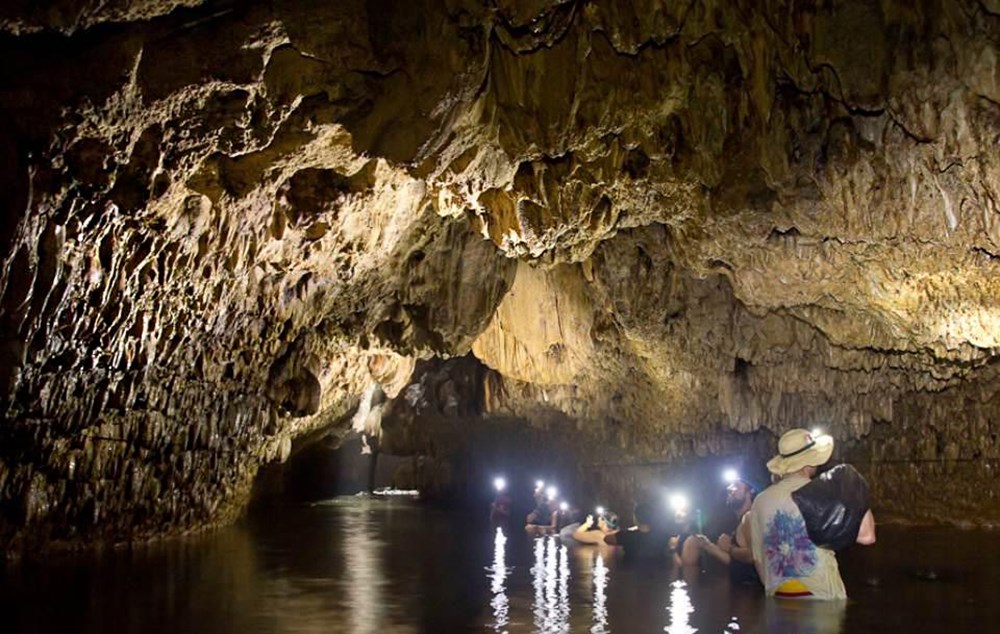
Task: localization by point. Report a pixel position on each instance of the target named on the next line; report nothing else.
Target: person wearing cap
(733, 548)
(788, 562)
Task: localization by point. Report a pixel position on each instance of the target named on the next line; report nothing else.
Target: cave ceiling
(228, 224)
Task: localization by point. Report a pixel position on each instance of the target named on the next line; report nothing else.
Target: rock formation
(663, 228)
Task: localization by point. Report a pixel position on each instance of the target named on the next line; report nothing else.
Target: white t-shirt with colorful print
(789, 563)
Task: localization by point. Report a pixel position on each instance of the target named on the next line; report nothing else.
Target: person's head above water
(797, 449)
(608, 522)
(739, 493)
(643, 514)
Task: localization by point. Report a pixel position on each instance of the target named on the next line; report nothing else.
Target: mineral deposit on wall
(663, 225)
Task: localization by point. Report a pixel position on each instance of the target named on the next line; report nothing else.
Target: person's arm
(713, 549)
(690, 550)
(583, 527)
(584, 535)
(740, 550)
(755, 555)
(866, 535)
(611, 540)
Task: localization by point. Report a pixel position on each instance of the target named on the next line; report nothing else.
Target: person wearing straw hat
(788, 562)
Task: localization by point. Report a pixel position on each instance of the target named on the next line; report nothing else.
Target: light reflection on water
(498, 577)
(550, 579)
(562, 607)
(600, 572)
(365, 576)
(680, 607)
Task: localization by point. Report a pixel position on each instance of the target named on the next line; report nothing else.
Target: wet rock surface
(665, 229)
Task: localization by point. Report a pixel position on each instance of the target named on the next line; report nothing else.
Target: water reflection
(550, 576)
(806, 617)
(498, 578)
(538, 583)
(365, 576)
(600, 597)
(680, 608)
(394, 568)
(562, 607)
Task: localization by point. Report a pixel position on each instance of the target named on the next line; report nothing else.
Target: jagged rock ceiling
(658, 223)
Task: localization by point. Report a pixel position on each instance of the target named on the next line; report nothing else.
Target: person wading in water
(787, 560)
(733, 548)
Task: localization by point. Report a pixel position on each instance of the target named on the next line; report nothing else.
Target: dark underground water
(363, 565)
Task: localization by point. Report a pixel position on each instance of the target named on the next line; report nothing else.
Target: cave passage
(260, 256)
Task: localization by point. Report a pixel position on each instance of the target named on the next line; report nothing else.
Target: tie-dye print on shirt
(790, 553)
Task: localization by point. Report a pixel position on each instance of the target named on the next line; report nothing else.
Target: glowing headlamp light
(678, 502)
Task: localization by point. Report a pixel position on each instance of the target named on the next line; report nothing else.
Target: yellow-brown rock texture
(663, 228)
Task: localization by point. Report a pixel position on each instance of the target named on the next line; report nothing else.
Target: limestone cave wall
(664, 227)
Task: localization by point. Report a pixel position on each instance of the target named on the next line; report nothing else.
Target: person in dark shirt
(642, 542)
(685, 544)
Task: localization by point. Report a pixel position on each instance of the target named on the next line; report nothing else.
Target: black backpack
(833, 505)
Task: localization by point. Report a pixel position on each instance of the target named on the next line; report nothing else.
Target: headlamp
(678, 502)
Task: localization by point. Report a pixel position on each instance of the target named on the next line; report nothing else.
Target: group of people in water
(783, 537)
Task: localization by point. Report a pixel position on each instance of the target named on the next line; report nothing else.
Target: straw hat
(798, 448)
